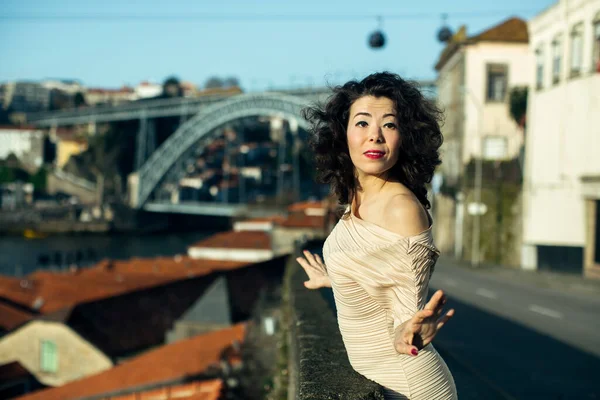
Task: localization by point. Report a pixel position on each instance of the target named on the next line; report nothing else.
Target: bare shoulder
(404, 215)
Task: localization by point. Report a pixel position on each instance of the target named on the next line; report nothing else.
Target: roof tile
(181, 359)
(513, 30)
(256, 240)
(47, 291)
(11, 317)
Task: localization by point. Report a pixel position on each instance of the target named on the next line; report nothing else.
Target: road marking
(486, 293)
(545, 311)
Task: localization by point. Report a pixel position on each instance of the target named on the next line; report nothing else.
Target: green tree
(214, 82)
(518, 105)
(172, 87)
(79, 100)
(39, 179)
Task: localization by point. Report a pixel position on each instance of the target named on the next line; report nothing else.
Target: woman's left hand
(420, 330)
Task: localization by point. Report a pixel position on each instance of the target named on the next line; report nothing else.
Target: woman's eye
(362, 124)
(390, 126)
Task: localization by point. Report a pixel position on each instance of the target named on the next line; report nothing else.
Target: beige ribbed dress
(380, 279)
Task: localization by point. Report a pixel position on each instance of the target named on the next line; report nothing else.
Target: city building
(561, 229)
(54, 353)
(148, 89)
(26, 143)
(108, 311)
(241, 246)
(69, 86)
(24, 97)
(102, 96)
(476, 76)
(194, 368)
(68, 143)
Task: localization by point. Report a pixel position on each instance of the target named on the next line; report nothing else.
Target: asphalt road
(511, 339)
(517, 335)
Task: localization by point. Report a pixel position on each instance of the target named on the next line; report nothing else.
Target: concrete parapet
(317, 361)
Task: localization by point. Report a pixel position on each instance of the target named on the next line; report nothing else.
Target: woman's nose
(376, 135)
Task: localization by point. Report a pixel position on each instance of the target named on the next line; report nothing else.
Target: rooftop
(198, 390)
(302, 206)
(11, 317)
(512, 30)
(46, 291)
(255, 240)
(186, 358)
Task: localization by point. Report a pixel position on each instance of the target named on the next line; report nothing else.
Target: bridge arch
(208, 120)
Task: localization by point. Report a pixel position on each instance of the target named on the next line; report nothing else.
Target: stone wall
(59, 181)
(317, 360)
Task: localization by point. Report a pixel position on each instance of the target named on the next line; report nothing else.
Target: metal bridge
(148, 109)
(208, 115)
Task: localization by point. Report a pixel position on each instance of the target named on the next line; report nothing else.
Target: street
(512, 339)
(518, 335)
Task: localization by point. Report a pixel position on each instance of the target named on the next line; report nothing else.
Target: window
(596, 55)
(495, 148)
(539, 67)
(496, 82)
(576, 49)
(48, 356)
(556, 58)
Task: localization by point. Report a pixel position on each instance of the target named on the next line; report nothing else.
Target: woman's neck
(370, 186)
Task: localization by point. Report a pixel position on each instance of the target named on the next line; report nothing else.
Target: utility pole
(296, 161)
(240, 165)
(475, 239)
(278, 126)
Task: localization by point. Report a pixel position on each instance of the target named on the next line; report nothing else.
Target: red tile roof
(304, 221)
(198, 390)
(237, 240)
(18, 128)
(122, 90)
(46, 291)
(276, 219)
(513, 30)
(306, 204)
(11, 317)
(181, 359)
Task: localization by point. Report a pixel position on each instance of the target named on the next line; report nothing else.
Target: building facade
(25, 97)
(52, 352)
(476, 75)
(27, 144)
(562, 175)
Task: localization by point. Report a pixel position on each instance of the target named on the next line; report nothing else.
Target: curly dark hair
(419, 123)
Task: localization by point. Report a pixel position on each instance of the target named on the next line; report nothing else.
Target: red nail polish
(414, 352)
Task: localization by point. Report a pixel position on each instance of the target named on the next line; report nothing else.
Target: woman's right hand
(420, 330)
(315, 269)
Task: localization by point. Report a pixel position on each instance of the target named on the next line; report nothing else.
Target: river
(20, 256)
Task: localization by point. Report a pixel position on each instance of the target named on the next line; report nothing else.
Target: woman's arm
(420, 330)
(315, 269)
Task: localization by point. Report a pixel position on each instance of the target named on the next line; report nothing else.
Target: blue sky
(262, 52)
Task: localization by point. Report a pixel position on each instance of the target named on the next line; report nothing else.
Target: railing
(144, 109)
(75, 180)
(317, 360)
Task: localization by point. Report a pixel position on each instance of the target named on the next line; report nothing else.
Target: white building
(147, 89)
(25, 143)
(562, 173)
(64, 85)
(475, 76)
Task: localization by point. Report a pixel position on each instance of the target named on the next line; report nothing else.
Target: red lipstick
(374, 154)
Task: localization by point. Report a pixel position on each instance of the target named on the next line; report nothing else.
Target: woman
(376, 143)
